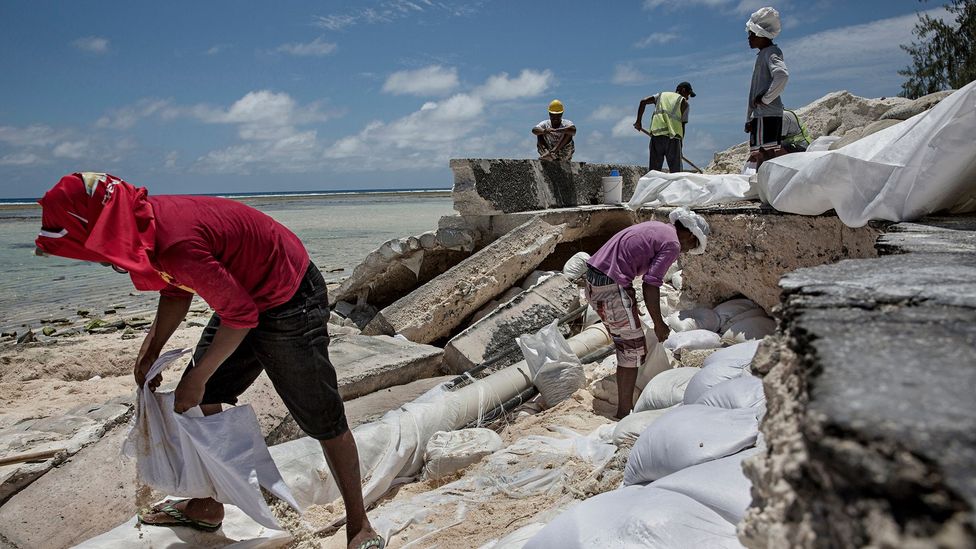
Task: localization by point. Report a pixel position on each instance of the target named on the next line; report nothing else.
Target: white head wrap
(694, 223)
(576, 266)
(764, 22)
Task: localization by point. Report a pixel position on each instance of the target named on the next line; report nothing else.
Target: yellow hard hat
(556, 107)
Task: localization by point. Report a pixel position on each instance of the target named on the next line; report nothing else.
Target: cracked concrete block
(494, 186)
(365, 364)
(495, 334)
(871, 421)
(434, 310)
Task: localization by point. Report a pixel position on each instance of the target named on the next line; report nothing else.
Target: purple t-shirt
(646, 249)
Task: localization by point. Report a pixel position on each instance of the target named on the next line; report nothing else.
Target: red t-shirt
(239, 260)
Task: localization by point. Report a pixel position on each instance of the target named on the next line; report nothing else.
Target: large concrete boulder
(833, 114)
(494, 186)
(871, 422)
(494, 335)
(434, 310)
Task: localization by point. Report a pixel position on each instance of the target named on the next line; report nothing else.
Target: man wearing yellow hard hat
(554, 137)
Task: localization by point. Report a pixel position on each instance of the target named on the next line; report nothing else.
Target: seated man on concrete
(644, 250)
(554, 137)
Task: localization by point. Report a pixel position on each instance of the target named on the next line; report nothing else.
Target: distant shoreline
(13, 204)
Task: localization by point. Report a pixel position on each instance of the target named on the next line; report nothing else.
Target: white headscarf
(694, 223)
(764, 22)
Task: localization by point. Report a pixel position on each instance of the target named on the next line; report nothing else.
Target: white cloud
(627, 75)
(170, 162)
(656, 38)
(432, 80)
(92, 44)
(739, 7)
(72, 149)
(315, 48)
(502, 88)
(214, 50)
(606, 113)
(19, 159)
(31, 136)
(389, 11)
(127, 117)
(625, 128)
(440, 130)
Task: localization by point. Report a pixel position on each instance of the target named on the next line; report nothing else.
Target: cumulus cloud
(20, 159)
(432, 80)
(656, 38)
(529, 83)
(626, 74)
(315, 48)
(92, 44)
(127, 117)
(36, 135)
(75, 150)
(606, 113)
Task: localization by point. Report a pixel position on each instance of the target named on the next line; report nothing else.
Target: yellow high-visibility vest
(667, 116)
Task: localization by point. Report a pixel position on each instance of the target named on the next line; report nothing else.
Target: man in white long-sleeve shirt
(764, 116)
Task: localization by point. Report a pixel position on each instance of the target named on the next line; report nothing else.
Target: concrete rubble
(433, 311)
(871, 425)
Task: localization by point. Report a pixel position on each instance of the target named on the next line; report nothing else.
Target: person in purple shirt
(644, 250)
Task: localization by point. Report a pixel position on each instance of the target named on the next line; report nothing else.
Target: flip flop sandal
(373, 543)
(179, 519)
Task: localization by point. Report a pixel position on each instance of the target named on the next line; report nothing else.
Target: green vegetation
(944, 56)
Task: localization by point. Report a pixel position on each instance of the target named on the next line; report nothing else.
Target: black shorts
(290, 343)
(766, 133)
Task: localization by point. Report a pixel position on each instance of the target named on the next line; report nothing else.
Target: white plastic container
(613, 188)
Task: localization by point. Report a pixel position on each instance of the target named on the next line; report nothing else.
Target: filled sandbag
(719, 485)
(756, 327)
(693, 339)
(665, 390)
(732, 308)
(688, 435)
(637, 517)
(556, 371)
(450, 451)
(699, 318)
(745, 391)
(575, 267)
(630, 428)
(722, 365)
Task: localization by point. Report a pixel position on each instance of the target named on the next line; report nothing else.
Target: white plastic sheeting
(689, 189)
(666, 389)
(222, 456)
(722, 365)
(688, 435)
(450, 451)
(720, 485)
(637, 517)
(919, 166)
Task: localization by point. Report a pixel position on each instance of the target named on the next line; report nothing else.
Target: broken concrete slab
(871, 423)
(494, 335)
(933, 234)
(433, 311)
(493, 186)
(400, 265)
(367, 364)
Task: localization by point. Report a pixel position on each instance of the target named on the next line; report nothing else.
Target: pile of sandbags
(683, 483)
(735, 320)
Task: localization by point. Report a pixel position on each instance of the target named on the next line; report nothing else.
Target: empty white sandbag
(665, 389)
(689, 435)
(732, 308)
(745, 391)
(693, 339)
(630, 427)
(699, 318)
(450, 451)
(722, 365)
(637, 517)
(556, 370)
(756, 327)
(720, 485)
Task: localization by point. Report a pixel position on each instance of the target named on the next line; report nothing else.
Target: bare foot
(367, 538)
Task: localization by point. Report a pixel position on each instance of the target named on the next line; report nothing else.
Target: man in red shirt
(270, 313)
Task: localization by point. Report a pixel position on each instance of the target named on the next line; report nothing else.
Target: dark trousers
(665, 147)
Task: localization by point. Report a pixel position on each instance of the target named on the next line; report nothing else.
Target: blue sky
(233, 96)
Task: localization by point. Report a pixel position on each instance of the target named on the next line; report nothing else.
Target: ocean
(338, 228)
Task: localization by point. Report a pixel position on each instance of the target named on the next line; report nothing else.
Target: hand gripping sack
(222, 456)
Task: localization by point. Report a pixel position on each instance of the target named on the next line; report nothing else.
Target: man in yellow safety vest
(667, 126)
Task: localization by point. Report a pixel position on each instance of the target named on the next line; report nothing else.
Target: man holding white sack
(270, 315)
(644, 250)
